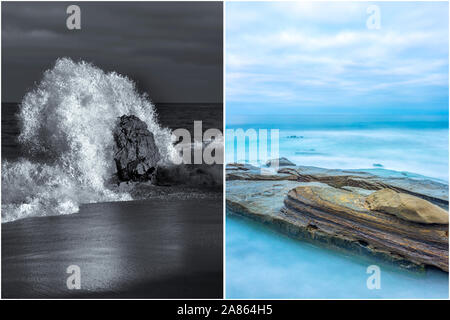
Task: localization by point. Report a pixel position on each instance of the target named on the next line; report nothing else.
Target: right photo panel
(337, 150)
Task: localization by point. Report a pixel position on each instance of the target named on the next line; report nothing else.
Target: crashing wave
(66, 129)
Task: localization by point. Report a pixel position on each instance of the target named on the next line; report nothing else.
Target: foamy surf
(66, 129)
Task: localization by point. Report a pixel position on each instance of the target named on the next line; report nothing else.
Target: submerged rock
(136, 154)
(406, 207)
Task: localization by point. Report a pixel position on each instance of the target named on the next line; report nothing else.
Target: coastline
(330, 214)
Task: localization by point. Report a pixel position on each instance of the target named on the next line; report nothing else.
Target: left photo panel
(112, 150)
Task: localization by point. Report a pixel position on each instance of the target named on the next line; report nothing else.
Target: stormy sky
(173, 50)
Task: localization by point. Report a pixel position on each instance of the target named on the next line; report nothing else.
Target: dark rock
(282, 162)
(194, 175)
(136, 154)
(377, 165)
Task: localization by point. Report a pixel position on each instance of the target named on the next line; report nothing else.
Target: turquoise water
(408, 144)
(264, 264)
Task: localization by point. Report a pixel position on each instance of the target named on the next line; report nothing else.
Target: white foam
(66, 126)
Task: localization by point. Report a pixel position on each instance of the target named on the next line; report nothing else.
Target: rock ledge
(337, 209)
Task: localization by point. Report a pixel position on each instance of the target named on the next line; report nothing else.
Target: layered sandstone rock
(344, 213)
(336, 208)
(406, 207)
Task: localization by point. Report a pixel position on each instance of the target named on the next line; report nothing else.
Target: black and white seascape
(112, 150)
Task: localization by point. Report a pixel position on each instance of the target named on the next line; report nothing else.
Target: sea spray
(66, 132)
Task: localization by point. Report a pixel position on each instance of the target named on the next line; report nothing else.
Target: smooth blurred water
(264, 264)
(416, 144)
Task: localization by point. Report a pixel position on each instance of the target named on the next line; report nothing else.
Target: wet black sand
(137, 249)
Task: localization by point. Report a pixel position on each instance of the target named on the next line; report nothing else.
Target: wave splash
(66, 129)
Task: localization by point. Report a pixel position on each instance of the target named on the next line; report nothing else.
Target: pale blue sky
(297, 57)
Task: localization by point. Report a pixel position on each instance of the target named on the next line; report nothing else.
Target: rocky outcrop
(237, 171)
(195, 175)
(136, 154)
(416, 185)
(406, 207)
(330, 208)
(340, 213)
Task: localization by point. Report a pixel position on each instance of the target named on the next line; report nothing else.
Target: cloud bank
(296, 57)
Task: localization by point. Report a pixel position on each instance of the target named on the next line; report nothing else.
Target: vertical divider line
(224, 144)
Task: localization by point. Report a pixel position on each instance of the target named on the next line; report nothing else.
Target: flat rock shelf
(329, 208)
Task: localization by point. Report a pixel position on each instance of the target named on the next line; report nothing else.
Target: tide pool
(263, 264)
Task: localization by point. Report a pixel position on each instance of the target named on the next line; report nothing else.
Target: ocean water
(154, 248)
(263, 264)
(57, 144)
(416, 144)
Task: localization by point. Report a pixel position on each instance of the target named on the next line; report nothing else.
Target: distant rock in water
(136, 154)
(406, 207)
(377, 165)
(282, 162)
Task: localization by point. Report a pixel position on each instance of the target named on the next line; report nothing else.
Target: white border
(224, 130)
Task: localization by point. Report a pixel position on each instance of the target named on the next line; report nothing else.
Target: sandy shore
(137, 249)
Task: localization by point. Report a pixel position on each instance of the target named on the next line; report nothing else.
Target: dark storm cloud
(172, 50)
